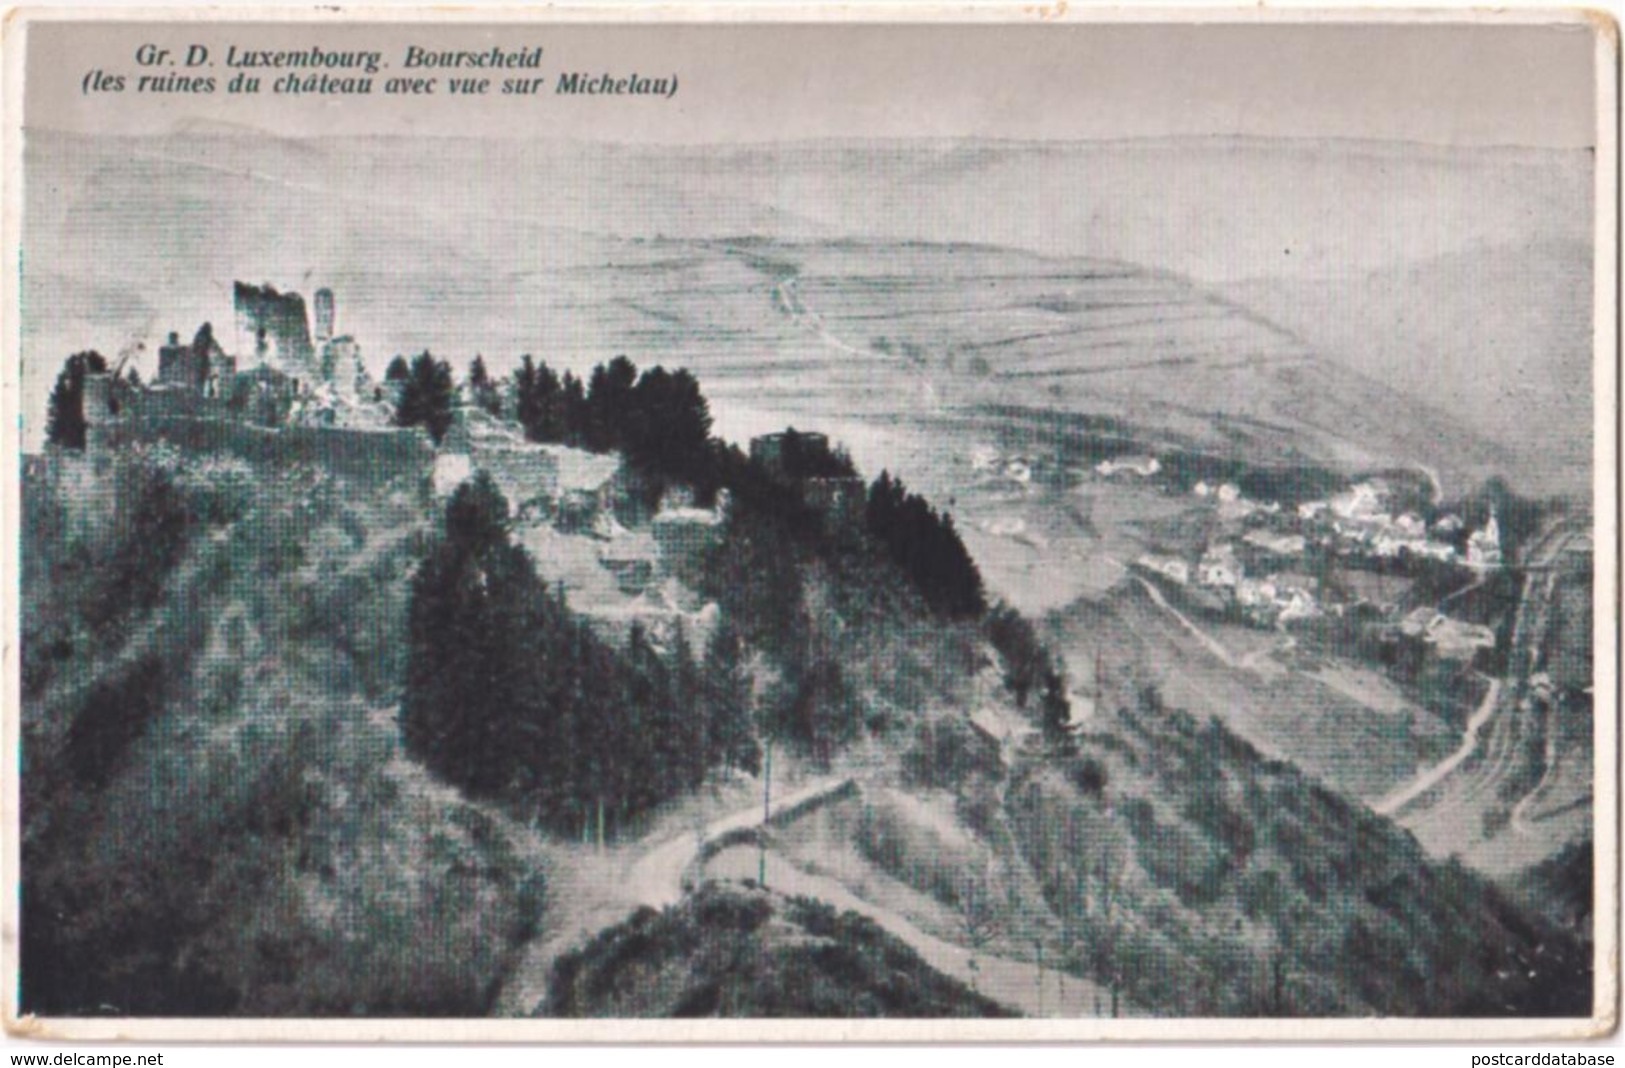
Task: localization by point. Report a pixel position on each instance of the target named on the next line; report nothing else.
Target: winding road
(658, 877)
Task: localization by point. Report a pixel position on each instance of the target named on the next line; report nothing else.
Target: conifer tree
(65, 422)
(609, 404)
(510, 696)
(927, 547)
(524, 396)
(481, 390)
(426, 396)
(731, 727)
(1055, 710)
(574, 407)
(539, 402)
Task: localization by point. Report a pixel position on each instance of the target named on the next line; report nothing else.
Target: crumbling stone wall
(369, 457)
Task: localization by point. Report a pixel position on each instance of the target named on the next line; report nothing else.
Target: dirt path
(1479, 578)
(1518, 819)
(1436, 774)
(609, 886)
(658, 876)
(1255, 660)
(797, 310)
(1208, 642)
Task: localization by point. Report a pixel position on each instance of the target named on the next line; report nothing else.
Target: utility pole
(1039, 942)
(767, 810)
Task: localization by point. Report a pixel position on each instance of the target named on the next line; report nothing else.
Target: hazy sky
(1499, 83)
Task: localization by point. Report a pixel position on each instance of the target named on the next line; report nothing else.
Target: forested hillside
(216, 815)
(289, 720)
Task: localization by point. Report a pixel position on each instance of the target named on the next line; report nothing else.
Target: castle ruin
(280, 403)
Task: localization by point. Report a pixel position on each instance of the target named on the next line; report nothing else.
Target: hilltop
(738, 950)
(212, 606)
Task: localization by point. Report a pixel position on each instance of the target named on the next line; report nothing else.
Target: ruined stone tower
(324, 311)
(274, 326)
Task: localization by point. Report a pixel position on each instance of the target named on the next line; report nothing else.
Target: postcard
(727, 524)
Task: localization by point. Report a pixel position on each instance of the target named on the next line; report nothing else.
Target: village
(1350, 557)
(1264, 563)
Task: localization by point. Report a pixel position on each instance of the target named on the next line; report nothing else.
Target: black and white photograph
(1001, 526)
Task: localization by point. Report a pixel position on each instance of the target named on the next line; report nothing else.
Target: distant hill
(574, 251)
(1499, 335)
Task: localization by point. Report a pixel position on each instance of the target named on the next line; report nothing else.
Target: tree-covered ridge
(511, 695)
(661, 420)
(201, 643)
(924, 543)
(743, 951)
(658, 418)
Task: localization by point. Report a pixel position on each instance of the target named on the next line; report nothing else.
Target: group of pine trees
(511, 695)
(658, 418)
(924, 543)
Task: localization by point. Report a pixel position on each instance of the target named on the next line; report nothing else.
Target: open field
(1360, 744)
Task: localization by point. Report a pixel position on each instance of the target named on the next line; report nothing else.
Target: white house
(1296, 603)
(1141, 466)
(1484, 546)
(1280, 544)
(1168, 566)
(1361, 501)
(1219, 567)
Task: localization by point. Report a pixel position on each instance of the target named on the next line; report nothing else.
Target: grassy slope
(1360, 751)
